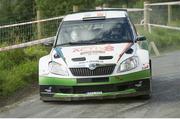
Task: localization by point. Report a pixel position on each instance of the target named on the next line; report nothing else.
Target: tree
(60, 7)
(16, 11)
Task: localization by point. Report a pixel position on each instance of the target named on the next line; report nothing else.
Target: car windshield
(95, 31)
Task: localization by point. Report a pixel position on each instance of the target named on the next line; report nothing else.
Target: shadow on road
(106, 101)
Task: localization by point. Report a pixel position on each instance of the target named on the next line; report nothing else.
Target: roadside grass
(166, 40)
(19, 68)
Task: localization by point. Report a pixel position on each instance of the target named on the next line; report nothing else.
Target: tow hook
(139, 84)
(49, 90)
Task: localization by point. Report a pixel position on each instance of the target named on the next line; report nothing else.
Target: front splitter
(75, 97)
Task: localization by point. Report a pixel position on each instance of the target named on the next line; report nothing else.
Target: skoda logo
(92, 66)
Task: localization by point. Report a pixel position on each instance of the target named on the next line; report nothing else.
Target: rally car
(95, 55)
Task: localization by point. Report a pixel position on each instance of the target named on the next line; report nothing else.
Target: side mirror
(49, 42)
(141, 38)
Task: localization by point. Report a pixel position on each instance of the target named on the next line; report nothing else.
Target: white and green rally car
(95, 55)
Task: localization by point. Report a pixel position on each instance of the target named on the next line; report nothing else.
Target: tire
(150, 80)
(45, 101)
(149, 95)
(146, 97)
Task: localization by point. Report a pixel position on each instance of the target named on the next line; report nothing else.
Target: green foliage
(13, 11)
(16, 11)
(19, 68)
(18, 77)
(35, 52)
(61, 7)
(138, 4)
(9, 59)
(166, 40)
(53, 8)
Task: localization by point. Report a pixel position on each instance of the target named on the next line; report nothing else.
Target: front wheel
(149, 95)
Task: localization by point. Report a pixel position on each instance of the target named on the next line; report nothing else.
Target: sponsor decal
(145, 66)
(91, 61)
(94, 49)
(92, 52)
(100, 14)
(91, 93)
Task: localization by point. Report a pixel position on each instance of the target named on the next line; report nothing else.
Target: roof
(107, 13)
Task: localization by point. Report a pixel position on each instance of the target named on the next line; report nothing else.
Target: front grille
(101, 70)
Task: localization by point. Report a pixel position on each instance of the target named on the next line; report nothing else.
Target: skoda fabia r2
(95, 55)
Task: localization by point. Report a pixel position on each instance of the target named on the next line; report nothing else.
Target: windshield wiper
(107, 41)
(94, 41)
(68, 43)
(113, 41)
(77, 43)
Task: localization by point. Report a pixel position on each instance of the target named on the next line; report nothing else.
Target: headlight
(128, 64)
(56, 68)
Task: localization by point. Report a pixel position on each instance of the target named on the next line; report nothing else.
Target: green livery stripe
(145, 74)
(56, 81)
(128, 91)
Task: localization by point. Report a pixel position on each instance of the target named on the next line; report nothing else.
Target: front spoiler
(129, 85)
(109, 95)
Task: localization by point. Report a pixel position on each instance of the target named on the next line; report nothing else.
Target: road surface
(165, 101)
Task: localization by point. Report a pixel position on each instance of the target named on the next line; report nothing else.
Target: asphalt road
(165, 101)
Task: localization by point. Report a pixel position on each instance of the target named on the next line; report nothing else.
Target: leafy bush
(19, 68)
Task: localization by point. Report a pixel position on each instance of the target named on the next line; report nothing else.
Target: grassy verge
(19, 69)
(166, 40)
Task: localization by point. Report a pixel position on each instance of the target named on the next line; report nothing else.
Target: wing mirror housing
(141, 38)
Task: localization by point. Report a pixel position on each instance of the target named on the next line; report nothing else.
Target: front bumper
(134, 84)
(63, 89)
